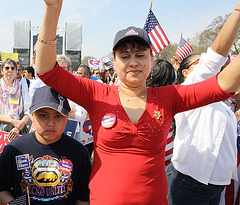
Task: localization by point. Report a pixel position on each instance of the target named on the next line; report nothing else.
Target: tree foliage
(202, 40)
(168, 52)
(85, 59)
(205, 39)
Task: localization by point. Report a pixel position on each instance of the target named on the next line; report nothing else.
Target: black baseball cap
(131, 32)
(47, 97)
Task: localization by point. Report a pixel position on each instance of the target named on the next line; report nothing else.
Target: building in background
(69, 41)
(22, 41)
(73, 43)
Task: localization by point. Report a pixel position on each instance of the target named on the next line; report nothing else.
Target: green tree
(205, 39)
(85, 59)
(168, 52)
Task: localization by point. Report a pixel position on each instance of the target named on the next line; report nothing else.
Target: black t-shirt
(57, 173)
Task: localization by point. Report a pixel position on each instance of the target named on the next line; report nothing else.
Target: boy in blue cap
(54, 167)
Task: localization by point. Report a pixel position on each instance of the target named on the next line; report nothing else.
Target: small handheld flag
(22, 200)
(184, 48)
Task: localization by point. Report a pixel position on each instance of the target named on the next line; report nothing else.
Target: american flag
(22, 200)
(184, 48)
(157, 36)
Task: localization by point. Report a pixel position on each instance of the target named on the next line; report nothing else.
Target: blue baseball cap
(47, 97)
(132, 32)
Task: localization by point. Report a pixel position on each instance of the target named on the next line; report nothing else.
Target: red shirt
(129, 159)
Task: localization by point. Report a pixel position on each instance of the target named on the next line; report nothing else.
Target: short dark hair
(184, 65)
(133, 44)
(30, 69)
(86, 68)
(111, 68)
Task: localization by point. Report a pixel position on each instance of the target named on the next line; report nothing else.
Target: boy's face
(49, 124)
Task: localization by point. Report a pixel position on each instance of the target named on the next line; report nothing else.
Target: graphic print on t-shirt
(48, 178)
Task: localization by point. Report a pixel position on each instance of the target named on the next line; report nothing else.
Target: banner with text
(3, 140)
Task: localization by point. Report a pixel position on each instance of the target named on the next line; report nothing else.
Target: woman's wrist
(237, 8)
(54, 6)
(52, 42)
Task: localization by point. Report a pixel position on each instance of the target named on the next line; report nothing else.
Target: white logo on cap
(131, 32)
(61, 99)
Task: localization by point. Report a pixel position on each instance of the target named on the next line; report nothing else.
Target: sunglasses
(97, 73)
(7, 68)
(194, 63)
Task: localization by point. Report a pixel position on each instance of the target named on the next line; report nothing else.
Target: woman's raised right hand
(53, 3)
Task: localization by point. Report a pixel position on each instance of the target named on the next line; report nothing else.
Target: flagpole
(153, 27)
(151, 6)
(28, 196)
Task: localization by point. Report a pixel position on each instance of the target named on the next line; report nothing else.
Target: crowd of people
(25, 80)
(159, 132)
(19, 83)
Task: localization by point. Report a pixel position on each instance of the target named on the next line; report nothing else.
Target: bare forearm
(46, 54)
(237, 113)
(228, 34)
(229, 78)
(5, 119)
(82, 203)
(25, 119)
(5, 197)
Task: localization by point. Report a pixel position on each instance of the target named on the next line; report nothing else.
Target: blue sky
(101, 19)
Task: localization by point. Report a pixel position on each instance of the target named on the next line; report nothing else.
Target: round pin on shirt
(4, 96)
(108, 120)
(66, 166)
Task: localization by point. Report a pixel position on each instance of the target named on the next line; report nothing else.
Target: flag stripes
(156, 34)
(184, 48)
(22, 200)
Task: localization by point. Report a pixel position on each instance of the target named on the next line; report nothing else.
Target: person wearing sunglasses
(205, 152)
(96, 73)
(13, 100)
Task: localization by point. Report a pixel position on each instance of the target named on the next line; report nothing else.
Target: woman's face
(194, 61)
(28, 75)
(96, 73)
(107, 74)
(9, 71)
(133, 66)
